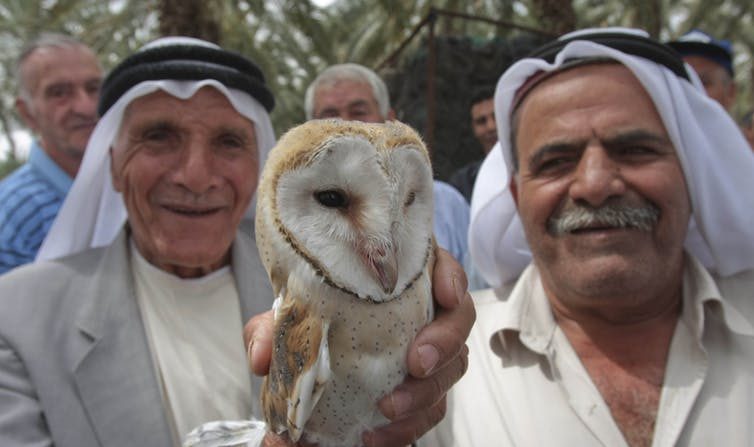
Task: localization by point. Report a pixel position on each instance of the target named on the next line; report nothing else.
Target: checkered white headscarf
(716, 160)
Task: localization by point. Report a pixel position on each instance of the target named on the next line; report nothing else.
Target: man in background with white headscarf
(619, 169)
(128, 329)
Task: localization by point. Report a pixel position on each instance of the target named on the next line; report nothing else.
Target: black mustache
(618, 215)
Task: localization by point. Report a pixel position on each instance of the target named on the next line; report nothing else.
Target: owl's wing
(300, 367)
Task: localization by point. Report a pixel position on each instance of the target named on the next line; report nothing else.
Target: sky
(23, 141)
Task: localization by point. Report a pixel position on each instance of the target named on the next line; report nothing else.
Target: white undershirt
(194, 328)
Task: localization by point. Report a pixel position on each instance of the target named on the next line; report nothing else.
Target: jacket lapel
(124, 404)
(254, 290)
(115, 374)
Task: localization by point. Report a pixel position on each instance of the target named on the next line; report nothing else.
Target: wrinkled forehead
(574, 68)
(163, 107)
(604, 96)
(576, 80)
(658, 68)
(45, 63)
(39, 56)
(345, 87)
(595, 88)
(161, 102)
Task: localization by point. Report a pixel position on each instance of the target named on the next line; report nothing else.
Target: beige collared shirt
(194, 328)
(525, 386)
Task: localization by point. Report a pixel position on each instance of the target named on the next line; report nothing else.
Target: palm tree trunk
(193, 18)
(555, 15)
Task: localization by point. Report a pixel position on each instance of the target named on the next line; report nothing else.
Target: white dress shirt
(194, 328)
(525, 385)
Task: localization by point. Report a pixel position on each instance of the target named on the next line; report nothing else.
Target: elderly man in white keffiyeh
(615, 225)
(127, 331)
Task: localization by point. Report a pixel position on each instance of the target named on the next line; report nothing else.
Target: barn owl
(344, 229)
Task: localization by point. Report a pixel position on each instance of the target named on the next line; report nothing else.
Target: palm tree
(292, 40)
(194, 18)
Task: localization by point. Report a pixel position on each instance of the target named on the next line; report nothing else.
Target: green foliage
(8, 165)
(292, 40)
(113, 29)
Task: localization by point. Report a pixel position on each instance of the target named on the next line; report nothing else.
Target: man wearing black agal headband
(623, 308)
(127, 331)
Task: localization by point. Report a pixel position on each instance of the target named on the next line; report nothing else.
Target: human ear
(513, 187)
(26, 114)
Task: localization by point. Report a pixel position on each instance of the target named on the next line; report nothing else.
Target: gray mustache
(642, 218)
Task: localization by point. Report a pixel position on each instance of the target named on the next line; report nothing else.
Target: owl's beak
(383, 262)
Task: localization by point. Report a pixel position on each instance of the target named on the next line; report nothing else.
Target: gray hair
(642, 217)
(43, 40)
(348, 72)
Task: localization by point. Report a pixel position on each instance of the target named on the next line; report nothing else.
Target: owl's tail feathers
(227, 433)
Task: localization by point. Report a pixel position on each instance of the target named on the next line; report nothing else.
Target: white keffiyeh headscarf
(93, 212)
(716, 160)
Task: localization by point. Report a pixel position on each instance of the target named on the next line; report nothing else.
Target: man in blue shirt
(58, 80)
(354, 92)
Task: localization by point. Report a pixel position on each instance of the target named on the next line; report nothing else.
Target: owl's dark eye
(332, 198)
(410, 199)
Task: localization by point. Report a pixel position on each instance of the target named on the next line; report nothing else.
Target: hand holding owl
(446, 334)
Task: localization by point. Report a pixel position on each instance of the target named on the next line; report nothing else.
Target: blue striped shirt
(30, 198)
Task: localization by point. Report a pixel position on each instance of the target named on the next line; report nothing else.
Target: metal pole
(505, 23)
(429, 132)
(390, 60)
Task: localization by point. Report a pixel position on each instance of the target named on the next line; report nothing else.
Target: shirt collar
(525, 317)
(519, 316)
(702, 299)
(47, 168)
(204, 284)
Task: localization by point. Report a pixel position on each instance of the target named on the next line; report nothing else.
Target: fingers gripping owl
(344, 229)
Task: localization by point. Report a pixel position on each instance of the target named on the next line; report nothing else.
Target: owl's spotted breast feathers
(296, 348)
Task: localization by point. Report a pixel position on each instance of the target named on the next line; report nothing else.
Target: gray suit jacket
(75, 366)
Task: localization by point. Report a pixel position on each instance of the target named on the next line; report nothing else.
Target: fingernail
(253, 346)
(460, 291)
(249, 349)
(428, 357)
(401, 402)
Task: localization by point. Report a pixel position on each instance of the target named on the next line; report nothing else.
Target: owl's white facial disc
(362, 216)
(412, 209)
